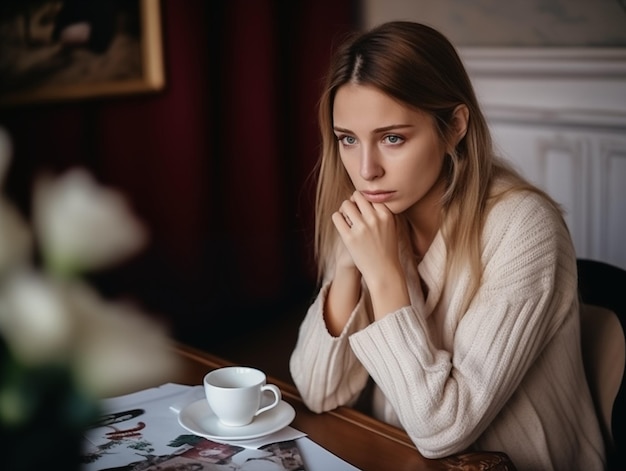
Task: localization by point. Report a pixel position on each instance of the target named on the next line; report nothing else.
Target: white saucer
(200, 420)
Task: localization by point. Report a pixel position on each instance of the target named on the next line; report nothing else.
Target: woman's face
(391, 152)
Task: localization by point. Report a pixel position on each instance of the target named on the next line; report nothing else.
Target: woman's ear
(460, 118)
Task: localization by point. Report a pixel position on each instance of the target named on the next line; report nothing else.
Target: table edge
(347, 414)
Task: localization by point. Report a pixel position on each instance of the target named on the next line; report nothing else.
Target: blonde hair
(418, 66)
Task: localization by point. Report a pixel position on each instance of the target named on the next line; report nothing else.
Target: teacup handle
(277, 397)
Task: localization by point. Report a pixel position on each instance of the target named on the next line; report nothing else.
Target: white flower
(121, 349)
(110, 348)
(113, 348)
(34, 319)
(82, 225)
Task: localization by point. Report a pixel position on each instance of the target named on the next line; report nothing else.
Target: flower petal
(34, 319)
(121, 349)
(83, 225)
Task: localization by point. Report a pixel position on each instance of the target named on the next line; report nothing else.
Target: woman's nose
(370, 165)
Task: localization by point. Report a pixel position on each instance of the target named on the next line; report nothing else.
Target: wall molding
(589, 119)
(545, 62)
(560, 87)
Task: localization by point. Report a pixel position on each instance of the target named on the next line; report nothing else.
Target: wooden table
(357, 438)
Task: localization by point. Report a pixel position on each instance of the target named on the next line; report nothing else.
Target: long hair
(417, 66)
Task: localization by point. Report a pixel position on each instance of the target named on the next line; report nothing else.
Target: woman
(444, 276)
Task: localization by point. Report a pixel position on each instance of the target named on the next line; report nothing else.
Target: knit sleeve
(323, 367)
(446, 397)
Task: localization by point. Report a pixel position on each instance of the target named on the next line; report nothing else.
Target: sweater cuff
(357, 321)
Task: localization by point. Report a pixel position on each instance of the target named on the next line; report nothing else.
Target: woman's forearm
(342, 298)
(388, 292)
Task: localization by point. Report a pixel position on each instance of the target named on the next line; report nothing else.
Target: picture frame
(49, 55)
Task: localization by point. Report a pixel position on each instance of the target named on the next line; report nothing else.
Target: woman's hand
(369, 233)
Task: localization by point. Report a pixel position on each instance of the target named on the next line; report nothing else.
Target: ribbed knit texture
(506, 375)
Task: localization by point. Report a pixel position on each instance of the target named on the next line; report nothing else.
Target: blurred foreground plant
(63, 346)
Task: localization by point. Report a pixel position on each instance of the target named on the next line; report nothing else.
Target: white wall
(560, 117)
(511, 23)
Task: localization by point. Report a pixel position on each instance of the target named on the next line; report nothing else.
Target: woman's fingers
(341, 222)
(358, 213)
(350, 212)
(370, 212)
(358, 210)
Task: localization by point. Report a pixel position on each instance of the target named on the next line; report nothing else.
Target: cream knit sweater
(506, 375)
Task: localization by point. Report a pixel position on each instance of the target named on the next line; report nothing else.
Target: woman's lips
(378, 196)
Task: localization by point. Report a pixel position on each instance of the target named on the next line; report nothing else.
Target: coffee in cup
(234, 394)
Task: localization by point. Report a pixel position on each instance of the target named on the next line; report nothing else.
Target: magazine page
(141, 431)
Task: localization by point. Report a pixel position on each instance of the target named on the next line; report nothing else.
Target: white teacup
(234, 394)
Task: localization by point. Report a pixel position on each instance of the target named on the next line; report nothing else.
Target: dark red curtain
(218, 164)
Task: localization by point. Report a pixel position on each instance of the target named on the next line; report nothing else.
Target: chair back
(604, 356)
(602, 289)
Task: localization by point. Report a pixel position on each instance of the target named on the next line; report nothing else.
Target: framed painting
(61, 50)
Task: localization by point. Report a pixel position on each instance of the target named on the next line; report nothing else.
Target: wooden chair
(602, 289)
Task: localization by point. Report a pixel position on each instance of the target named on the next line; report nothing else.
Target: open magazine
(199, 454)
(141, 432)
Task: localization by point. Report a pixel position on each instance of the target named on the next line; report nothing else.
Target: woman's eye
(393, 139)
(347, 140)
